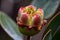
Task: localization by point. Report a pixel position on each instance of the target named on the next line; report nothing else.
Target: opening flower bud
(31, 18)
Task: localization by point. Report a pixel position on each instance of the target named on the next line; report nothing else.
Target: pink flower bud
(30, 16)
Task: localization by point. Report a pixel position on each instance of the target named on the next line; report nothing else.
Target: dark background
(10, 7)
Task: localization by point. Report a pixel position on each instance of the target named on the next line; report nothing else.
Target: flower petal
(21, 9)
(36, 19)
(24, 18)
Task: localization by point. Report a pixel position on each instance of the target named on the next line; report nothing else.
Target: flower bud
(30, 16)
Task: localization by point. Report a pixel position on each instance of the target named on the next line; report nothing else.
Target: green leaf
(56, 35)
(49, 6)
(3, 35)
(10, 26)
(49, 37)
(54, 26)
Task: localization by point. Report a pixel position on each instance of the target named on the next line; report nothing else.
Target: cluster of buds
(31, 17)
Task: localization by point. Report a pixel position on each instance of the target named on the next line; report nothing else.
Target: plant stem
(28, 38)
